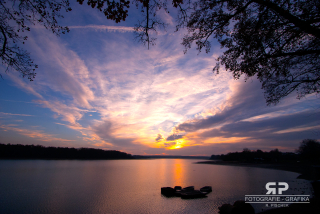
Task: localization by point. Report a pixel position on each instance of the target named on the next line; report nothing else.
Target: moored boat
(189, 188)
(168, 191)
(177, 188)
(193, 194)
(206, 189)
(186, 193)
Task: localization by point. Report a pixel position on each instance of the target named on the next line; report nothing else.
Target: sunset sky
(97, 87)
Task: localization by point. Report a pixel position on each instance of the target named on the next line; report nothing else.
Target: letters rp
(273, 190)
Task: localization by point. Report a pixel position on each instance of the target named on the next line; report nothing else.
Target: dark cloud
(174, 137)
(159, 137)
(246, 102)
(275, 124)
(268, 128)
(283, 132)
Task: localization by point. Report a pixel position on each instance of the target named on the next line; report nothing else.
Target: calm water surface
(129, 186)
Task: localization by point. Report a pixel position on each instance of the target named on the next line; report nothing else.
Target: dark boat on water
(206, 189)
(188, 189)
(168, 191)
(185, 193)
(193, 194)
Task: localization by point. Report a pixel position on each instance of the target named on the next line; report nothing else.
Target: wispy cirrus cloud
(10, 114)
(105, 28)
(37, 134)
(69, 113)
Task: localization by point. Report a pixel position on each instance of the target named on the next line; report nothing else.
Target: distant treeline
(308, 151)
(18, 151)
(257, 156)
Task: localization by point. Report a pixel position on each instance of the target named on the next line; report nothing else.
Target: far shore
(307, 171)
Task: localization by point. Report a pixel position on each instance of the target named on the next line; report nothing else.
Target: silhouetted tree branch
(150, 23)
(279, 41)
(112, 10)
(16, 17)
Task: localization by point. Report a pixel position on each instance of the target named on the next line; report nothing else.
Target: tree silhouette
(16, 16)
(112, 10)
(279, 41)
(309, 149)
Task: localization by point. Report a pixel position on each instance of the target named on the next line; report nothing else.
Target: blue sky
(97, 87)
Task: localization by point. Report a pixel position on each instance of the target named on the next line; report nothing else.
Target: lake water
(129, 186)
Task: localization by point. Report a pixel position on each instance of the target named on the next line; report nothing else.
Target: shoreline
(306, 171)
